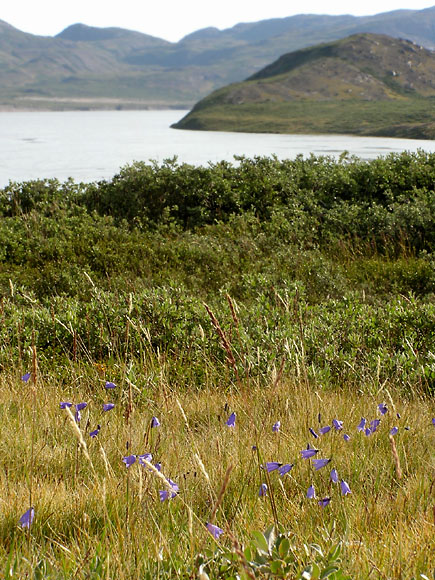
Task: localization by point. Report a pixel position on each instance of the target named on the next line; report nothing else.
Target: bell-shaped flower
(324, 502)
(215, 531)
(345, 489)
(319, 463)
(27, 518)
(311, 493)
(309, 452)
(231, 422)
(285, 468)
(313, 433)
(129, 460)
(272, 466)
(93, 434)
(263, 490)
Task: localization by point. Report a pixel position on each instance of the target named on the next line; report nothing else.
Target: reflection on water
(93, 145)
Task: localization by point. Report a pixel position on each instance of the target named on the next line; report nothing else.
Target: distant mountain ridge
(366, 84)
(83, 66)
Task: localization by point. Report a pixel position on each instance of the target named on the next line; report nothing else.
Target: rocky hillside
(388, 83)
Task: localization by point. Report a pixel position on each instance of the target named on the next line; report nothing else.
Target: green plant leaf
(260, 542)
(334, 553)
(283, 547)
(329, 571)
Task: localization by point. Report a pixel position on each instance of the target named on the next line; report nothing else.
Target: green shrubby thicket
(328, 264)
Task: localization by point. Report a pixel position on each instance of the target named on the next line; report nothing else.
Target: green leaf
(328, 571)
(283, 547)
(334, 553)
(270, 536)
(261, 542)
(317, 549)
(276, 567)
(248, 553)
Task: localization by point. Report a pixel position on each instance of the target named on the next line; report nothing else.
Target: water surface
(93, 145)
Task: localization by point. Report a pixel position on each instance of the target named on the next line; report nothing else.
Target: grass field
(228, 321)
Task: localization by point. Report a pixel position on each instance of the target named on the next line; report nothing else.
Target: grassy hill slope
(365, 84)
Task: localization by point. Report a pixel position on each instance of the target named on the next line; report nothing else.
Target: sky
(173, 19)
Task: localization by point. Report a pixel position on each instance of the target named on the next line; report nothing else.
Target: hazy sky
(173, 19)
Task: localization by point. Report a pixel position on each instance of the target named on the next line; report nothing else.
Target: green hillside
(88, 67)
(365, 84)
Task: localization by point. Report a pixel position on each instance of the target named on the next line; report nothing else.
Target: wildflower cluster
(310, 455)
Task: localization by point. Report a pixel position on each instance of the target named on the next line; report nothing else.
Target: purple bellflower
(110, 385)
(309, 452)
(346, 437)
(319, 463)
(334, 476)
(272, 465)
(65, 404)
(215, 531)
(276, 426)
(394, 430)
(263, 490)
(324, 430)
(338, 425)
(313, 433)
(144, 457)
(345, 489)
(129, 460)
(362, 424)
(155, 422)
(166, 494)
(27, 518)
(382, 408)
(285, 469)
(368, 431)
(433, 421)
(324, 502)
(77, 414)
(108, 406)
(374, 424)
(25, 378)
(231, 422)
(311, 493)
(93, 434)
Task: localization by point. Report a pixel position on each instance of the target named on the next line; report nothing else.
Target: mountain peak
(83, 33)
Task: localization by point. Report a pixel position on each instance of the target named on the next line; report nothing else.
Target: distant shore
(40, 104)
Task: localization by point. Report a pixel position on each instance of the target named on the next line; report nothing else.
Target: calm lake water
(93, 145)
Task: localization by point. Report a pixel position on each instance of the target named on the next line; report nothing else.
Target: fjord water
(93, 145)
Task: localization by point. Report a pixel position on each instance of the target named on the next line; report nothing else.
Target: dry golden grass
(90, 509)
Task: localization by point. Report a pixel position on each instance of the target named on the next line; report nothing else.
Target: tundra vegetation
(220, 372)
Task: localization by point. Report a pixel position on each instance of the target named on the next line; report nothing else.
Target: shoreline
(54, 104)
